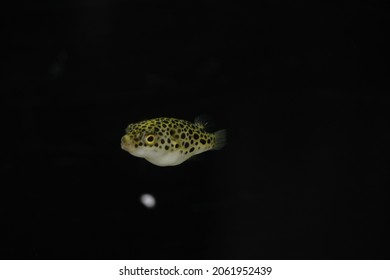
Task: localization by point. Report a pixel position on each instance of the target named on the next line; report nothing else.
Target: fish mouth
(126, 143)
(124, 147)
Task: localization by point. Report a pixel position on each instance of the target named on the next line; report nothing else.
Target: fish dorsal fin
(205, 122)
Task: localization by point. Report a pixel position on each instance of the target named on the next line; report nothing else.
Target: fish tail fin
(220, 139)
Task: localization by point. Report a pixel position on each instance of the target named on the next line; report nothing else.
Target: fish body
(170, 141)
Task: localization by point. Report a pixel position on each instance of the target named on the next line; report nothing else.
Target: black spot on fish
(183, 136)
(186, 144)
(203, 141)
(192, 149)
(196, 136)
(166, 147)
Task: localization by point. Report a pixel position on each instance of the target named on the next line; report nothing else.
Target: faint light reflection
(148, 200)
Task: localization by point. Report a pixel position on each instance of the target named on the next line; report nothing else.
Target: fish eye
(149, 139)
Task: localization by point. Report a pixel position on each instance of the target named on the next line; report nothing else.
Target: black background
(301, 89)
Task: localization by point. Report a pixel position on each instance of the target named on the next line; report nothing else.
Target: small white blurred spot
(148, 200)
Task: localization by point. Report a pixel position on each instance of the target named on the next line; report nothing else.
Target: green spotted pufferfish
(170, 141)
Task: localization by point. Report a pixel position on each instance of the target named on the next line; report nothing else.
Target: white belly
(168, 159)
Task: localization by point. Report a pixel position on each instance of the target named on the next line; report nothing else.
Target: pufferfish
(170, 141)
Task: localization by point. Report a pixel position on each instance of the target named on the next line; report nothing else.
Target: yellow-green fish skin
(170, 141)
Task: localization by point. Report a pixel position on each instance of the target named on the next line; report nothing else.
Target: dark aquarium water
(300, 90)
